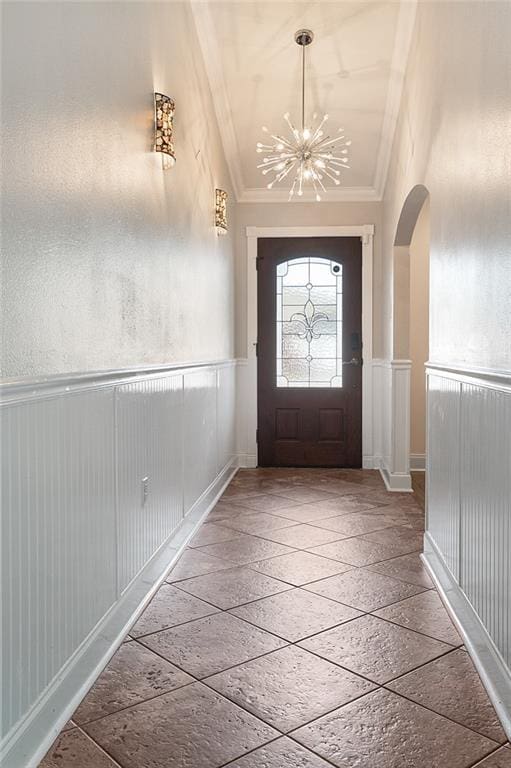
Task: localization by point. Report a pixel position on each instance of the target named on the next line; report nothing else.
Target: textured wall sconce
(221, 211)
(164, 108)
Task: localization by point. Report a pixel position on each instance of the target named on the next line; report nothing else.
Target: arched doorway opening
(411, 334)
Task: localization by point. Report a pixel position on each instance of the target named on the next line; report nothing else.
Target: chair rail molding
(105, 477)
(249, 395)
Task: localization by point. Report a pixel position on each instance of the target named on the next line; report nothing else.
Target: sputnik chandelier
(308, 154)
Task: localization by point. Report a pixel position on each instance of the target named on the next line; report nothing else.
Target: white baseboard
(395, 481)
(31, 741)
(371, 462)
(494, 673)
(418, 462)
(247, 460)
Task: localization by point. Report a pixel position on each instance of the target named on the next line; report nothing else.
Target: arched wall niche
(410, 212)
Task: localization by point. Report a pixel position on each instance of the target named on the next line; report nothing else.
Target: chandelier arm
(315, 187)
(327, 173)
(321, 184)
(292, 190)
(320, 126)
(275, 158)
(300, 181)
(282, 140)
(326, 142)
(290, 124)
(282, 175)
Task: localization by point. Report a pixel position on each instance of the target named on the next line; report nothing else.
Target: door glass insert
(309, 323)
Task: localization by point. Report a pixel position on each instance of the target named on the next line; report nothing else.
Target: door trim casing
(248, 427)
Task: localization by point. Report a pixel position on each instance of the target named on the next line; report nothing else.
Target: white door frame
(248, 401)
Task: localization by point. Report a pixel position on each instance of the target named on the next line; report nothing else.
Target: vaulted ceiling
(355, 70)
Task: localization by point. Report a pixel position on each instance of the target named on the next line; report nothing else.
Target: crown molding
(210, 51)
(338, 195)
(402, 43)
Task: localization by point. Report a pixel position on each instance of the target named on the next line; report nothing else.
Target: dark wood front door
(309, 305)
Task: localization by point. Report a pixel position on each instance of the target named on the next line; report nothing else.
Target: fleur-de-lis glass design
(308, 321)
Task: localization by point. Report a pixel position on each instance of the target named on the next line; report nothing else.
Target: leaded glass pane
(293, 295)
(323, 295)
(309, 323)
(296, 273)
(322, 369)
(293, 346)
(324, 346)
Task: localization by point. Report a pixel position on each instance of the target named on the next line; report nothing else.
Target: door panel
(309, 352)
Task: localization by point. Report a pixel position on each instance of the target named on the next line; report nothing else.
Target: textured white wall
(453, 137)
(296, 215)
(109, 261)
(419, 329)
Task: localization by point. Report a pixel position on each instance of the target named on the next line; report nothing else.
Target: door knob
(353, 361)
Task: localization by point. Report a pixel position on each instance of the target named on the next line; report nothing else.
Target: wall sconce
(164, 108)
(221, 211)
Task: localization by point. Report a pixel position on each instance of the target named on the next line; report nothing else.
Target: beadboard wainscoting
(104, 478)
(468, 527)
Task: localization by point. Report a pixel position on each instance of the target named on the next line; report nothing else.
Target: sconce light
(221, 211)
(164, 108)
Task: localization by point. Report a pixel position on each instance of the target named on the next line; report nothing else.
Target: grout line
(86, 723)
(412, 629)
(250, 752)
(314, 581)
(227, 611)
(434, 711)
(221, 671)
(481, 760)
(97, 745)
(316, 754)
(286, 733)
(179, 624)
(306, 637)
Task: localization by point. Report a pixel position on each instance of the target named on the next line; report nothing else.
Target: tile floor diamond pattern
(375, 648)
(387, 731)
(289, 687)
(297, 600)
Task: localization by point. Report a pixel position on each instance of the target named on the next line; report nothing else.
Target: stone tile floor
(298, 630)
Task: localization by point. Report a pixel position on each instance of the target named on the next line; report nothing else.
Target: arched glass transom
(309, 323)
